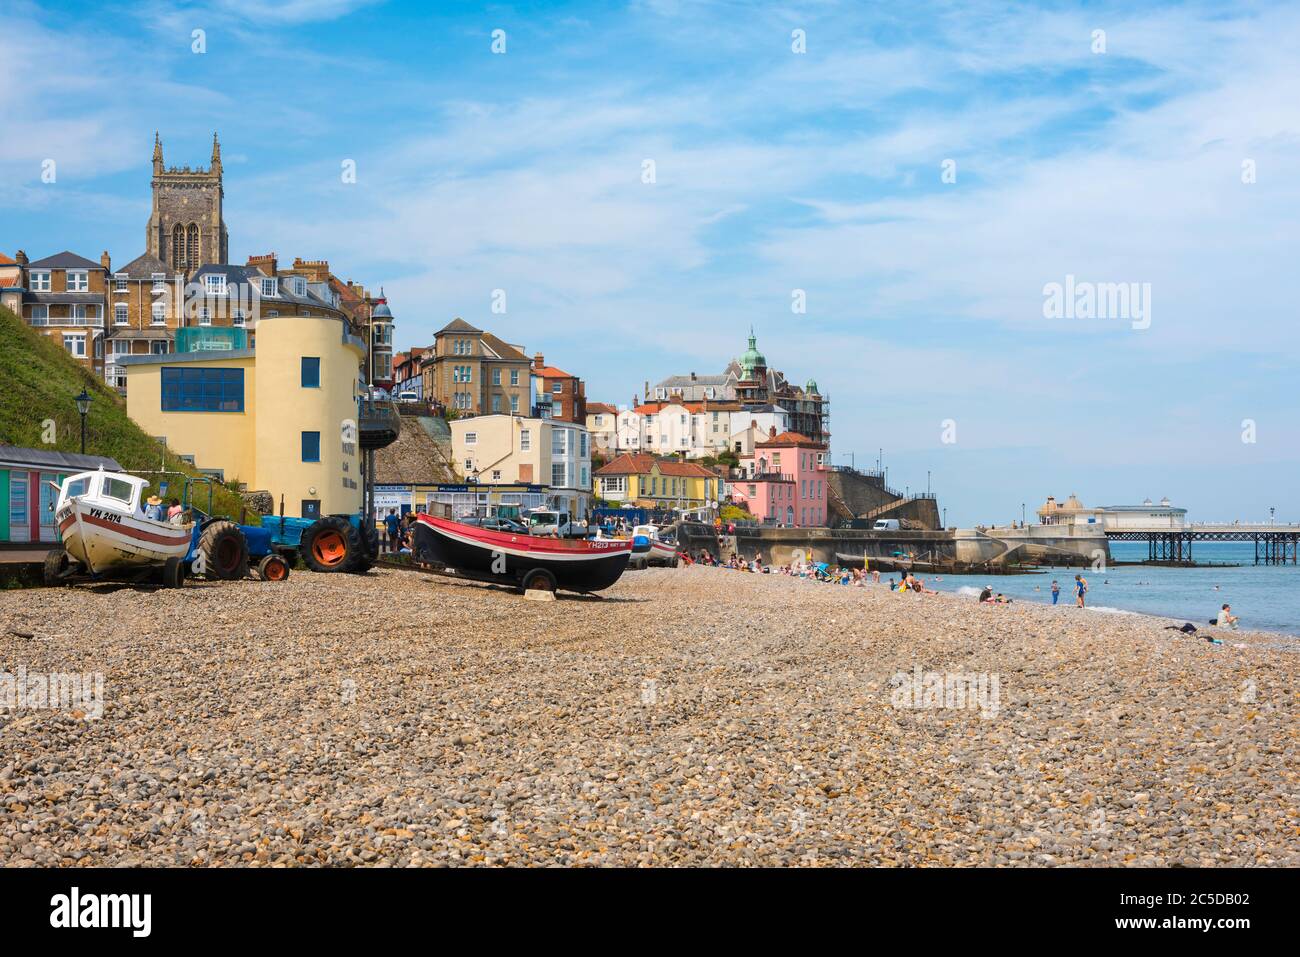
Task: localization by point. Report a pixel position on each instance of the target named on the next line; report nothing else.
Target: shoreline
(693, 716)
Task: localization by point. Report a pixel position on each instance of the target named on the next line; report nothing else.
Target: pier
(1274, 544)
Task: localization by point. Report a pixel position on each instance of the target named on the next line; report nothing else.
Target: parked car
(495, 524)
(408, 396)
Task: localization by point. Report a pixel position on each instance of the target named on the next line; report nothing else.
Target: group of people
(397, 531)
(156, 509)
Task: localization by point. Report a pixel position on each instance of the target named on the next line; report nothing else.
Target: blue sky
(775, 171)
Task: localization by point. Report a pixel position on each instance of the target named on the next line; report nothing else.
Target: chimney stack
(105, 261)
(268, 264)
(20, 258)
(538, 360)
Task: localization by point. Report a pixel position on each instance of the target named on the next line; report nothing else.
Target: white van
(408, 396)
(886, 525)
(545, 521)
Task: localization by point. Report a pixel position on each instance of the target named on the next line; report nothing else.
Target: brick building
(559, 395)
(475, 373)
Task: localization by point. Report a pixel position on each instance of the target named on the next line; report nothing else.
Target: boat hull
(662, 553)
(576, 565)
(109, 542)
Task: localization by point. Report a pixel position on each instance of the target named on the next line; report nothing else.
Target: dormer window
(270, 289)
(214, 285)
(299, 287)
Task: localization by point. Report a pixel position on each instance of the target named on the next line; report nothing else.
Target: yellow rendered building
(280, 418)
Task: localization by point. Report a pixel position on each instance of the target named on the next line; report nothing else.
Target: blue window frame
(202, 390)
(311, 446)
(311, 372)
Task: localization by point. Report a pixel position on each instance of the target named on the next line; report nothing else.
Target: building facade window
(311, 372)
(270, 289)
(202, 390)
(525, 440)
(120, 314)
(78, 280)
(311, 446)
(40, 280)
(158, 314)
(40, 315)
(121, 283)
(75, 343)
(214, 285)
(558, 474)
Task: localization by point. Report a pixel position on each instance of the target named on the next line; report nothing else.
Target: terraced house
(65, 296)
(650, 482)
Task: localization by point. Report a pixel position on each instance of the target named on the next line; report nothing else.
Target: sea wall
(783, 546)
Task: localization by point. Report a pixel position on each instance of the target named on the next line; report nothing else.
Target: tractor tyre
(272, 568)
(225, 552)
(369, 552)
(332, 544)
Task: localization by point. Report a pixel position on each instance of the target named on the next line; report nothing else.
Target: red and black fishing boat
(579, 565)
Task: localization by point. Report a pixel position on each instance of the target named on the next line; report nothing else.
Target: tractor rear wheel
(225, 551)
(369, 551)
(273, 568)
(331, 544)
(56, 567)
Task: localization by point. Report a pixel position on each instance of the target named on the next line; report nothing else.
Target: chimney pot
(105, 261)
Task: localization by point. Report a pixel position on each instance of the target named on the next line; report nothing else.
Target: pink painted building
(784, 481)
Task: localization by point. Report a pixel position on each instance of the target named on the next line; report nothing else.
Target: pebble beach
(691, 716)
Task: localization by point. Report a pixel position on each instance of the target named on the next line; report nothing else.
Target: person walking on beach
(1056, 591)
(1080, 588)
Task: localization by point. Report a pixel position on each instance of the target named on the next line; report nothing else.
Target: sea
(1264, 597)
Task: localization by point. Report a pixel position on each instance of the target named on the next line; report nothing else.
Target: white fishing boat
(662, 551)
(107, 535)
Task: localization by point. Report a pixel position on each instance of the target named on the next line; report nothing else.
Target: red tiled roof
(601, 408)
(8, 280)
(6, 261)
(641, 463)
(787, 439)
(550, 372)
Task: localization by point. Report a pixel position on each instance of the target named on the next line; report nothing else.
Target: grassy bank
(41, 384)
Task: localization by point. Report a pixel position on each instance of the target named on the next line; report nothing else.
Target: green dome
(811, 387)
(752, 359)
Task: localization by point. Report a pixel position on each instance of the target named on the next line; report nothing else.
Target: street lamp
(83, 407)
(1022, 514)
(945, 518)
(1271, 510)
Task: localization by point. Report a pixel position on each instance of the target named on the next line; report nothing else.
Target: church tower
(186, 228)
